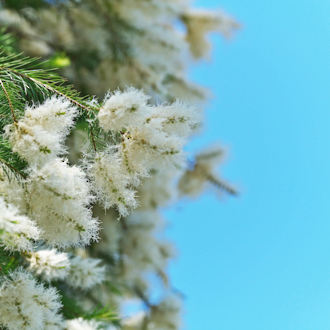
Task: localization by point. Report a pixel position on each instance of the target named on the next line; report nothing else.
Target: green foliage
(7, 41)
(8, 261)
(20, 4)
(104, 314)
(22, 81)
(71, 309)
(59, 60)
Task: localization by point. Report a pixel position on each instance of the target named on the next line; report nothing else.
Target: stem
(92, 135)
(9, 101)
(50, 88)
(222, 185)
(13, 168)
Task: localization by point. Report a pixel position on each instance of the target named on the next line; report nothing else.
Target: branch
(9, 101)
(13, 168)
(50, 88)
(222, 185)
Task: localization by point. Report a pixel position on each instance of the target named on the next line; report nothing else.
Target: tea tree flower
(59, 197)
(49, 264)
(17, 232)
(27, 305)
(85, 273)
(39, 135)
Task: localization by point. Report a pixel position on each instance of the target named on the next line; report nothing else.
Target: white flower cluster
(49, 264)
(75, 271)
(17, 232)
(122, 110)
(85, 273)
(27, 305)
(57, 196)
(112, 183)
(39, 136)
(152, 137)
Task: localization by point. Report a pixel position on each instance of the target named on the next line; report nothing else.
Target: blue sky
(262, 260)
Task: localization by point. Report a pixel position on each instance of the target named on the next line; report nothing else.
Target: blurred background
(261, 261)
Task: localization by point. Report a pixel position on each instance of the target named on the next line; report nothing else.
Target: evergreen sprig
(24, 81)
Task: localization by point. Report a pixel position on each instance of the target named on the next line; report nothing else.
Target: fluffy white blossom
(39, 135)
(85, 273)
(150, 148)
(49, 264)
(152, 136)
(81, 324)
(200, 22)
(58, 196)
(122, 110)
(177, 118)
(112, 183)
(16, 231)
(27, 305)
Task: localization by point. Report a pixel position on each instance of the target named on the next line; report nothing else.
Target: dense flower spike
(26, 305)
(149, 148)
(85, 273)
(49, 264)
(123, 110)
(39, 136)
(112, 182)
(151, 137)
(59, 197)
(178, 118)
(17, 232)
